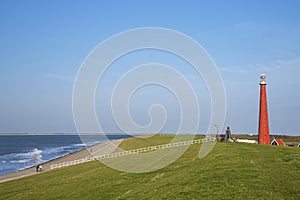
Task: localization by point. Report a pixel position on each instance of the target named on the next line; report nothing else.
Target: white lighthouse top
(263, 79)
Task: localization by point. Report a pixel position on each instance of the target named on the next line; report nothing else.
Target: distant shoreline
(21, 134)
(111, 134)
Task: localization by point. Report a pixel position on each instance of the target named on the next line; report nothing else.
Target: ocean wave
(79, 145)
(22, 160)
(88, 144)
(55, 150)
(33, 154)
(19, 161)
(64, 150)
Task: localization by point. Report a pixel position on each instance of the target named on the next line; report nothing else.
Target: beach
(102, 148)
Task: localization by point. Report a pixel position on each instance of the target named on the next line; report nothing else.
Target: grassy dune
(230, 171)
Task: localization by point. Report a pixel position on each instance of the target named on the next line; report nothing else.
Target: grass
(230, 171)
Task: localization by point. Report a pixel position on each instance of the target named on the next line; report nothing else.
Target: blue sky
(43, 44)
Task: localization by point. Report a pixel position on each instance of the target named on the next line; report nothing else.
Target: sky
(43, 44)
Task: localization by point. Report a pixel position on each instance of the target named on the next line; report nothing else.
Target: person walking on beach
(37, 168)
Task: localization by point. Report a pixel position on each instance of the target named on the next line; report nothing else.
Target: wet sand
(102, 148)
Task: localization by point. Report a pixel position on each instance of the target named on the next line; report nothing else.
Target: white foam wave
(34, 155)
(80, 145)
(19, 161)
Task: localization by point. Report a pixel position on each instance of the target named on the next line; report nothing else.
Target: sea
(19, 152)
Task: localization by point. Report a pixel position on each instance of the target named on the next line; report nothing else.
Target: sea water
(19, 152)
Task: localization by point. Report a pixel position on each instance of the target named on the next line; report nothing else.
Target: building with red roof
(278, 142)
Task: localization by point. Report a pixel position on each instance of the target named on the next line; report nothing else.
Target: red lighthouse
(263, 127)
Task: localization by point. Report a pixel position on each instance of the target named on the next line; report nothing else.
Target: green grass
(230, 171)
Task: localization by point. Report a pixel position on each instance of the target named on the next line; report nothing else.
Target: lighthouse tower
(263, 127)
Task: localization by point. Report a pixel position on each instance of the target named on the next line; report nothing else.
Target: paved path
(96, 150)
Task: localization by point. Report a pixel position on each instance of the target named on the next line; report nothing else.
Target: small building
(277, 142)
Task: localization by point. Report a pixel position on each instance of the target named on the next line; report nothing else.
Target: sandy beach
(102, 148)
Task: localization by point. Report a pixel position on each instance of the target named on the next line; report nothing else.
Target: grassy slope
(232, 170)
